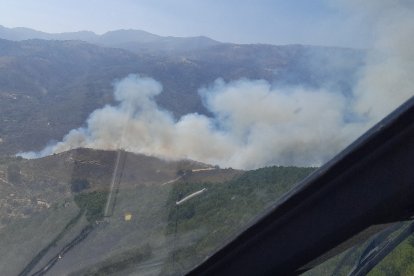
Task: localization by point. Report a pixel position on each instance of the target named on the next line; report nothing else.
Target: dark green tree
(78, 185)
(13, 174)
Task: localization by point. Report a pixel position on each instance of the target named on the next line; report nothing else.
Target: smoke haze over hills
(255, 124)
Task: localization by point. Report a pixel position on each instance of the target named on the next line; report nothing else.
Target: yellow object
(128, 216)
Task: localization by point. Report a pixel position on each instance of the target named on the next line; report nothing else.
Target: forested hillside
(69, 192)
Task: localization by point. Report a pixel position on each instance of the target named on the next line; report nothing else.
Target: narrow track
(82, 235)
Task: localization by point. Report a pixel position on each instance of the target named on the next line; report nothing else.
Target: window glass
(128, 151)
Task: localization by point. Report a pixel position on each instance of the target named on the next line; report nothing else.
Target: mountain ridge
(129, 39)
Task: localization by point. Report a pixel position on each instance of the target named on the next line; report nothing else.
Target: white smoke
(253, 123)
(388, 79)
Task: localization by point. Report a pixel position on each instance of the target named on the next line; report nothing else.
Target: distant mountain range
(133, 40)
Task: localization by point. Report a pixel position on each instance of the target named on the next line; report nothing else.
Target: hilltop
(137, 41)
(65, 193)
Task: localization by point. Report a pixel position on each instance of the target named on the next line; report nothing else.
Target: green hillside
(224, 210)
(49, 202)
(46, 203)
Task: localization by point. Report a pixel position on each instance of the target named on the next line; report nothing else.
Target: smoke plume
(255, 124)
(388, 79)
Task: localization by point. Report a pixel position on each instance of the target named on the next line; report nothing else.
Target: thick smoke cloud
(255, 124)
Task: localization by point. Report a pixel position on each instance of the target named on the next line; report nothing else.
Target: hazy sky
(244, 21)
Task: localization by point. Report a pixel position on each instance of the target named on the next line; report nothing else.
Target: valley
(48, 87)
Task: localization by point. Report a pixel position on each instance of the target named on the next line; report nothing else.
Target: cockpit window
(139, 138)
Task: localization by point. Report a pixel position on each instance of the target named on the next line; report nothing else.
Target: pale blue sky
(243, 21)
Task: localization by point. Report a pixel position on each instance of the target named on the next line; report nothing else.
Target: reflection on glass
(169, 147)
(389, 252)
(96, 211)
